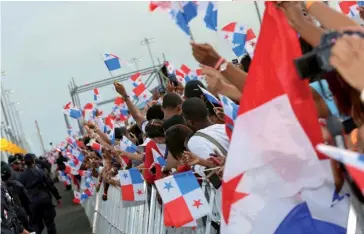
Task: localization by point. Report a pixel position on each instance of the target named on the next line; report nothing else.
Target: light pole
(21, 129)
(147, 42)
(40, 137)
(8, 114)
(16, 121)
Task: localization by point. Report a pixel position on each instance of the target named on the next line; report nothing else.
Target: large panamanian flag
(274, 181)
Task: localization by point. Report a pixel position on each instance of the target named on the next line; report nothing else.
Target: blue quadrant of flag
(136, 177)
(186, 182)
(112, 64)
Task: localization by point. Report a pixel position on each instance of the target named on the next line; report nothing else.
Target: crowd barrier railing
(116, 216)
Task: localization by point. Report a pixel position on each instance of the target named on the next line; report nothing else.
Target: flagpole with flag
(102, 59)
(188, 25)
(280, 181)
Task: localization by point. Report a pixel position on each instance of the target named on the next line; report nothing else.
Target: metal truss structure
(152, 72)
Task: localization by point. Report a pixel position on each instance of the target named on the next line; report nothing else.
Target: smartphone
(215, 181)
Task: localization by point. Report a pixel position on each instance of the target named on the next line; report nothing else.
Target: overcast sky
(44, 44)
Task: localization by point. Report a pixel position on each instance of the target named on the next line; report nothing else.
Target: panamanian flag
(181, 192)
(132, 185)
(274, 181)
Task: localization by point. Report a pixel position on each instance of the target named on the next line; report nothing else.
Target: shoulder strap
(213, 141)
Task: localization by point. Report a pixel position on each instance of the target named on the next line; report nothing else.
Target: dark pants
(23, 218)
(43, 214)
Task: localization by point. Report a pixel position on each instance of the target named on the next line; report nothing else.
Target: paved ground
(70, 218)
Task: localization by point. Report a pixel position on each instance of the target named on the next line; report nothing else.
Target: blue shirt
(326, 94)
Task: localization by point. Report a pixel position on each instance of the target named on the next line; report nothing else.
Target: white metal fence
(115, 216)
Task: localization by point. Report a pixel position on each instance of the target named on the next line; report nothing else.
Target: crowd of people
(190, 131)
(26, 195)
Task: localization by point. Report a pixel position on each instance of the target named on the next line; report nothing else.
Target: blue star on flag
(168, 185)
(125, 175)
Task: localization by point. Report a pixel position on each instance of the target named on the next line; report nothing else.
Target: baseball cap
(13, 159)
(192, 89)
(5, 169)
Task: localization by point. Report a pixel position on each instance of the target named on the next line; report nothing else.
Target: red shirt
(148, 161)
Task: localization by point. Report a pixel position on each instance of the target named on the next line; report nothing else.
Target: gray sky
(44, 44)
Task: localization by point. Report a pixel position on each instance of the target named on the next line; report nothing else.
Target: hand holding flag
(205, 54)
(120, 89)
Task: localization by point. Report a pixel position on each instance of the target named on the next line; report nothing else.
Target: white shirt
(202, 147)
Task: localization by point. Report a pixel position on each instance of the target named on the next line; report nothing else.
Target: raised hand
(205, 54)
(120, 89)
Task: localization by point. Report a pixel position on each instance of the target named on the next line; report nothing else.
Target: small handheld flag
(345, 156)
(72, 112)
(96, 95)
(181, 192)
(111, 61)
(210, 97)
(127, 145)
(136, 79)
(158, 159)
(211, 16)
(132, 185)
(231, 112)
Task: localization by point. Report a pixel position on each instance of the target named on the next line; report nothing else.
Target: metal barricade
(116, 216)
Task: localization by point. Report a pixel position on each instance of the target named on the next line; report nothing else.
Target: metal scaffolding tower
(152, 73)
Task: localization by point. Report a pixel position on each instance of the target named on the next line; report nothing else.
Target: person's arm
(328, 17)
(191, 159)
(135, 113)
(50, 186)
(230, 91)
(217, 84)
(103, 138)
(134, 156)
(295, 16)
(140, 166)
(206, 55)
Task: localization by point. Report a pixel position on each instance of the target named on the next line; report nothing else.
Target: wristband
(219, 62)
(125, 97)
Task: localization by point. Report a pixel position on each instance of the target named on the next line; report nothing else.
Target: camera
(316, 62)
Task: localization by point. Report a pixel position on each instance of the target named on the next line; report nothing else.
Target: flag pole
(258, 12)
